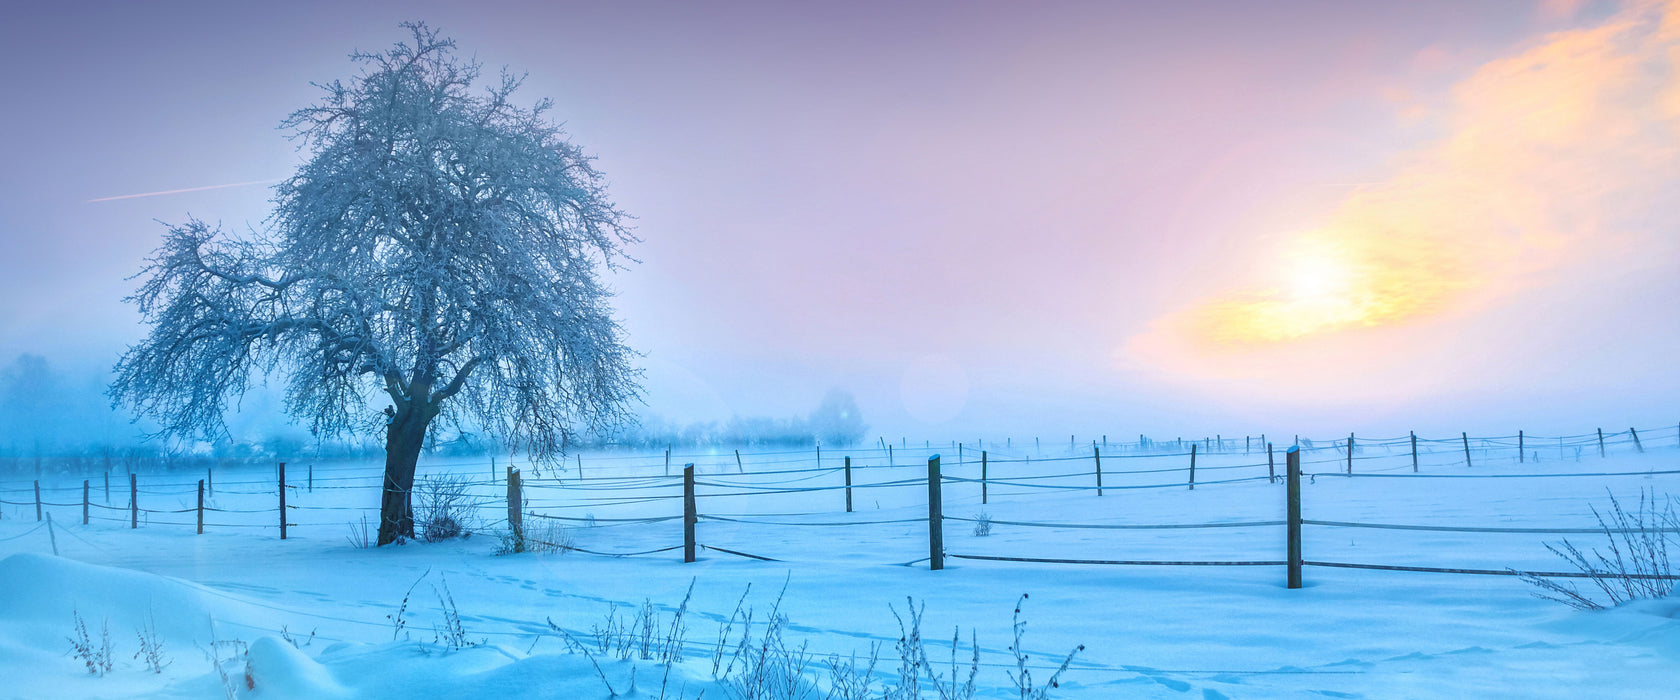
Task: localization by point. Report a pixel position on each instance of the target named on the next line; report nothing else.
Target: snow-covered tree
(837, 420)
(439, 254)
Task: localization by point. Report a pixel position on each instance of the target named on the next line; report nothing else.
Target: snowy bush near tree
(443, 507)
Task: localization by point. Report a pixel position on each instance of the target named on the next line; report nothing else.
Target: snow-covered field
(1148, 631)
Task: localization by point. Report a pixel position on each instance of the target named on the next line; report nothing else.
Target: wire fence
(555, 493)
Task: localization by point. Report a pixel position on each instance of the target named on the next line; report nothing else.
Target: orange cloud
(1540, 151)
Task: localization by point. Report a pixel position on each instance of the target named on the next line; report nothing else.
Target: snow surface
(1149, 631)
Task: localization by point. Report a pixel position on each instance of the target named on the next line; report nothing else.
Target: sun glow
(1539, 149)
(1326, 280)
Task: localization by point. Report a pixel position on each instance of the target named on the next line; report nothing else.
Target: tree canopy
(440, 251)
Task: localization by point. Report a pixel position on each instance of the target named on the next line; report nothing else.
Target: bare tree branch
(437, 237)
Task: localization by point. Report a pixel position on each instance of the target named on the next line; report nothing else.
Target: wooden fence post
(580, 466)
(210, 480)
(1293, 467)
(1098, 453)
(312, 478)
(1601, 443)
(1192, 466)
(107, 487)
(1522, 453)
(200, 506)
(1414, 451)
(691, 514)
(982, 477)
(37, 500)
(667, 461)
(738, 466)
(133, 502)
(936, 517)
(1636, 444)
(1466, 437)
(84, 501)
(1271, 466)
(848, 482)
(1350, 454)
(515, 509)
(282, 500)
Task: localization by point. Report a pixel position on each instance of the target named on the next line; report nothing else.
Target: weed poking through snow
(1022, 676)
(286, 635)
(96, 656)
(399, 621)
(545, 536)
(151, 646)
(359, 534)
(452, 634)
(234, 650)
(765, 664)
(914, 664)
(1635, 561)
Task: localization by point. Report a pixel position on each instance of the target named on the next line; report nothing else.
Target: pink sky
(995, 219)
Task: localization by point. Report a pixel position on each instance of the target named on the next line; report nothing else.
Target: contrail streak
(189, 189)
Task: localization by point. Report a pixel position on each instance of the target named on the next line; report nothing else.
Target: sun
(1318, 275)
(1315, 286)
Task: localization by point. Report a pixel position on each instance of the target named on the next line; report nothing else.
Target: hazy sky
(980, 218)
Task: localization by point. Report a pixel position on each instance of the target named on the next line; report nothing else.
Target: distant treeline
(51, 424)
(836, 422)
(157, 457)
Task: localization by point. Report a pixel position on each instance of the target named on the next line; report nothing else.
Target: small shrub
(97, 656)
(445, 509)
(510, 542)
(548, 536)
(982, 525)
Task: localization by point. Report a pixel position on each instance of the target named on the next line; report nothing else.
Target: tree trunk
(404, 438)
